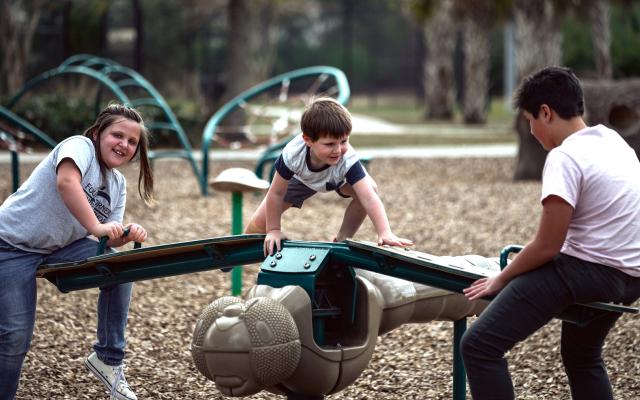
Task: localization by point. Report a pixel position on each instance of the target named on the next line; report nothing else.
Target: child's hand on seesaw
(484, 287)
(111, 229)
(136, 234)
(393, 240)
(273, 241)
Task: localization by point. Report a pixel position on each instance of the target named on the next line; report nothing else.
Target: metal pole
(236, 229)
(459, 376)
(15, 169)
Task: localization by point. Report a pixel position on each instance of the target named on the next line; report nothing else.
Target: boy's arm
(375, 210)
(552, 231)
(69, 185)
(274, 204)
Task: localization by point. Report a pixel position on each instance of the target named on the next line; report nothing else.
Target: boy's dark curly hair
(557, 87)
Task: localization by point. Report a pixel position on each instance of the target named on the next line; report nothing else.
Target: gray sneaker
(112, 377)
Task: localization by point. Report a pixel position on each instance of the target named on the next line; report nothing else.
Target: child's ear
(307, 140)
(545, 112)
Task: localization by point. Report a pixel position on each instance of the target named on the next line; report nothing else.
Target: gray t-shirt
(35, 217)
(294, 162)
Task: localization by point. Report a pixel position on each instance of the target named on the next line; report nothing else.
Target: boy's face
(326, 150)
(539, 128)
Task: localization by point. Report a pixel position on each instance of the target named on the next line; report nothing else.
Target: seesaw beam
(155, 262)
(215, 253)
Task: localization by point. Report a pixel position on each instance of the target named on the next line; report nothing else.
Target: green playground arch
(341, 91)
(126, 84)
(118, 78)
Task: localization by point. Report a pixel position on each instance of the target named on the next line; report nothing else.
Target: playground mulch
(446, 206)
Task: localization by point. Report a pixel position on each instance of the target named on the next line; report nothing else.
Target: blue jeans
(526, 304)
(18, 309)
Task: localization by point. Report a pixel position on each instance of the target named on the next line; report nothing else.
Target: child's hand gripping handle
(102, 245)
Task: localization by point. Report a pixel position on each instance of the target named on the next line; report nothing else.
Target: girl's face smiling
(119, 142)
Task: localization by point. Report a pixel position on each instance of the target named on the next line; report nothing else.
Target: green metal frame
(25, 126)
(343, 94)
(119, 80)
(300, 263)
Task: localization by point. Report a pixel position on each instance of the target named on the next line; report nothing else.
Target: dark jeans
(18, 309)
(526, 304)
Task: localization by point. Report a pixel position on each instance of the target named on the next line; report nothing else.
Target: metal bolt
(273, 264)
(307, 265)
(278, 255)
(312, 257)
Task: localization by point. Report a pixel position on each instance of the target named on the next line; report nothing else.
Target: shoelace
(119, 378)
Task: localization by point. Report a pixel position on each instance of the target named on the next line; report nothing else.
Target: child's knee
(16, 342)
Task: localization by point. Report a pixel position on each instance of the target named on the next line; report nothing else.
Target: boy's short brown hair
(325, 116)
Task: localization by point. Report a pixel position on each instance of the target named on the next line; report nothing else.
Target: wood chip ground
(446, 206)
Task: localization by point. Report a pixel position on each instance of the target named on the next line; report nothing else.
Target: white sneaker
(109, 375)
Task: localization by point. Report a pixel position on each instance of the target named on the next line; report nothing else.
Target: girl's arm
(68, 183)
(552, 231)
(274, 206)
(375, 210)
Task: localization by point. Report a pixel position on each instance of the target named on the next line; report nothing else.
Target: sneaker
(112, 377)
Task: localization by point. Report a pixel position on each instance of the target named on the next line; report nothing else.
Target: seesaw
(308, 328)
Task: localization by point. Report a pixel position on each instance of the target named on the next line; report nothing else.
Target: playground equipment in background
(337, 312)
(10, 123)
(275, 105)
(128, 87)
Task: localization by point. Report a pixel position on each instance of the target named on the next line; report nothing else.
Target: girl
(74, 192)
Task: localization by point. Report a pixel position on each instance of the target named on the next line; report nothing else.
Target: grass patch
(404, 109)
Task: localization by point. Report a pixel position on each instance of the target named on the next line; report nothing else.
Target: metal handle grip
(102, 244)
(504, 253)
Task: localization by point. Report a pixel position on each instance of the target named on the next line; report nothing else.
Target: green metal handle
(102, 245)
(504, 253)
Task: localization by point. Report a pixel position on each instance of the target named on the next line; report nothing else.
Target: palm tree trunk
(16, 41)
(440, 35)
(598, 14)
(477, 45)
(251, 44)
(538, 44)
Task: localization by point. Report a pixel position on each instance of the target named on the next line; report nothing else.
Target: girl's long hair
(110, 115)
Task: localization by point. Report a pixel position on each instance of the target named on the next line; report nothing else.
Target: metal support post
(459, 375)
(236, 229)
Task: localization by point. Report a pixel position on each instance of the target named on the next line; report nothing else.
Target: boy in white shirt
(586, 249)
(321, 159)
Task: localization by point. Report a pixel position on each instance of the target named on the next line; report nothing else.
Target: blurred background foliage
(188, 49)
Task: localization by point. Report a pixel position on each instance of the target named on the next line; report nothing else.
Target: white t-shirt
(294, 162)
(35, 218)
(598, 174)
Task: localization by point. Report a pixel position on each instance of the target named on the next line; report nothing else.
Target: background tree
(440, 36)
(18, 22)
(538, 44)
(478, 17)
(437, 17)
(252, 43)
(598, 15)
